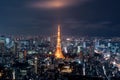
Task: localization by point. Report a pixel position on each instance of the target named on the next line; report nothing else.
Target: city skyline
(76, 17)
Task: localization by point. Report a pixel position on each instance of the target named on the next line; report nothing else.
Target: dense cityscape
(34, 58)
(59, 39)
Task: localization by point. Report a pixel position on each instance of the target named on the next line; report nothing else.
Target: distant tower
(58, 53)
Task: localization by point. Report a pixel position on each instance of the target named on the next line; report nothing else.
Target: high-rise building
(2, 45)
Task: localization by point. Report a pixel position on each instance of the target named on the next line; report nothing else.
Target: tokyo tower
(58, 53)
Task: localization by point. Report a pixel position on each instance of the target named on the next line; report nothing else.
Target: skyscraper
(58, 53)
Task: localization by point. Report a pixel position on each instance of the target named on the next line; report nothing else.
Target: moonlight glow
(48, 4)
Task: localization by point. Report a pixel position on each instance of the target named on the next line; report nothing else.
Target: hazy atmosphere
(76, 17)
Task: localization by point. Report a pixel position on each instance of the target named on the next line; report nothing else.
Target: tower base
(58, 54)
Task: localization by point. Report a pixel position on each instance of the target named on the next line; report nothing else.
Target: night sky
(76, 17)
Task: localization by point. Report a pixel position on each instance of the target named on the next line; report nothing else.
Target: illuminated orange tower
(58, 53)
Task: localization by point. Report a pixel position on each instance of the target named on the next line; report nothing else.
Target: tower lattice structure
(58, 53)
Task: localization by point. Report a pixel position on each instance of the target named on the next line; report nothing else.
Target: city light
(59, 40)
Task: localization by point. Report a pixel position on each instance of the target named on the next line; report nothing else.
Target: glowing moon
(48, 4)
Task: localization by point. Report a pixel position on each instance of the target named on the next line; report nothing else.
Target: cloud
(85, 25)
(52, 4)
